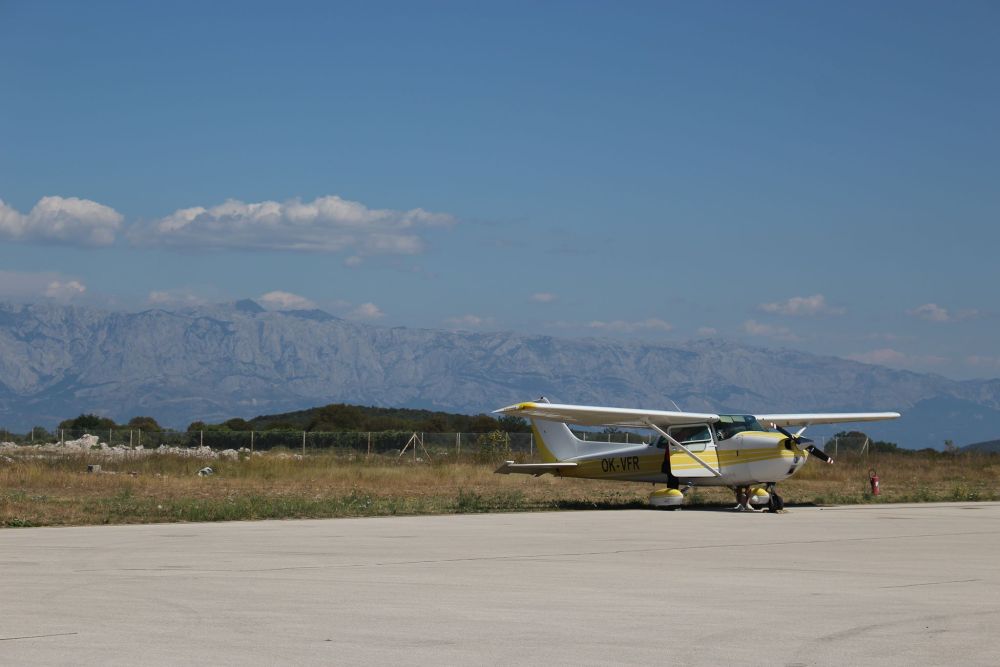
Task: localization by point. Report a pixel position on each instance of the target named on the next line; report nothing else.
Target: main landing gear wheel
(670, 499)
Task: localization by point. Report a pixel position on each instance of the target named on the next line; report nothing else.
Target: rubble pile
(92, 446)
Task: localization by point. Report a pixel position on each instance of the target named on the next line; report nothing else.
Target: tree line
(335, 417)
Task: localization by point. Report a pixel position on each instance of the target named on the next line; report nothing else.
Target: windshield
(730, 425)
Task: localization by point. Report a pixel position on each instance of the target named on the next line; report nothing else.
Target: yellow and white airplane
(693, 449)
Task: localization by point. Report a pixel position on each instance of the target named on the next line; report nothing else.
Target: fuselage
(744, 458)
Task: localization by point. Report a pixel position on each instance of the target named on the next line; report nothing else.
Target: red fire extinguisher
(873, 480)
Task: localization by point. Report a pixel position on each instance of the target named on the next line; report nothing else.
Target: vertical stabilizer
(555, 441)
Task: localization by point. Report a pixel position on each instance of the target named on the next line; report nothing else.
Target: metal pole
(32, 433)
(369, 443)
(130, 437)
(251, 442)
(303, 443)
(62, 436)
(531, 444)
(201, 438)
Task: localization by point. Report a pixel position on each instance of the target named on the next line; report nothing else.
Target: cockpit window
(730, 425)
(688, 435)
(695, 437)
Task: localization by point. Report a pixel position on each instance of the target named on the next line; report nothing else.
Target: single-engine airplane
(693, 449)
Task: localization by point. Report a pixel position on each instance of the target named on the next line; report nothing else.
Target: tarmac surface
(885, 584)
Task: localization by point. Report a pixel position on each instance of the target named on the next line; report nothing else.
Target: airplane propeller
(811, 448)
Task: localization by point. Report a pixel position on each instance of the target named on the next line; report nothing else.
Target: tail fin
(555, 441)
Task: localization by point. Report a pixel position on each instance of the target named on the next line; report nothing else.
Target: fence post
(458, 436)
(130, 438)
(303, 443)
(62, 436)
(110, 431)
(32, 433)
(201, 438)
(251, 442)
(139, 436)
(531, 444)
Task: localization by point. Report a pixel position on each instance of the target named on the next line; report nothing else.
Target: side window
(695, 438)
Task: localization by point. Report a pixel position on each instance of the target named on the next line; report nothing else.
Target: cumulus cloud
(67, 220)
(623, 326)
(64, 290)
(38, 284)
(278, 300)
(326, 224)
(755, 328)
(802, 306)
(982, 361)
(930, 312)
(469, 322)
(366, 311)
(543, 297)
(935, 313)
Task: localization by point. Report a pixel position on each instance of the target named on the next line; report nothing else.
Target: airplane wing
(825, 418)
(587, 415)
(535, 469)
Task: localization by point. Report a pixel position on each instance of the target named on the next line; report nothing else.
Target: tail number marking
(620, 464)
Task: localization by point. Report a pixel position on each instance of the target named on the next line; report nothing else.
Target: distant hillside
(214, 363)
(988, 447)
(341, 417)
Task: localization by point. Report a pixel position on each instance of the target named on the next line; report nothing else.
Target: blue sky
(815, 176)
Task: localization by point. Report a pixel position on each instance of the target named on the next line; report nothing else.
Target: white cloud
(984, 362)
(353, 261)
(278, 300)
(622, 326)
(931, 312)
(61, 220)
(935, 313)
(707, 331)
(802, 306)
(34, 285)
(64, 290)
(326, 224)
(366, 311)
(543, 297)
(755, 328)
(469, 322)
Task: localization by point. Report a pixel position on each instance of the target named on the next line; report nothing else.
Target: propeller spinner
(809, 447)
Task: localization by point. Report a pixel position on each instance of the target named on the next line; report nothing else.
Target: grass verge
(56, 490)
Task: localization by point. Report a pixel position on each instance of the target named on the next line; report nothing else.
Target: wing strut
(684, 449)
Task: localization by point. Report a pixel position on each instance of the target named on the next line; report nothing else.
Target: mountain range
(211, 363)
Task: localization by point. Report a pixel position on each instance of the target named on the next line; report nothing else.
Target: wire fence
(367, 442)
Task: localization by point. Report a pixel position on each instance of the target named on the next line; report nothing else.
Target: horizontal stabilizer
(535, 469)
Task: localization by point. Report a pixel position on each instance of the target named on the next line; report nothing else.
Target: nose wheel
(775, 503)
(745, 499)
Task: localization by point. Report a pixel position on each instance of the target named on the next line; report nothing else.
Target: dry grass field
(41, 490)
